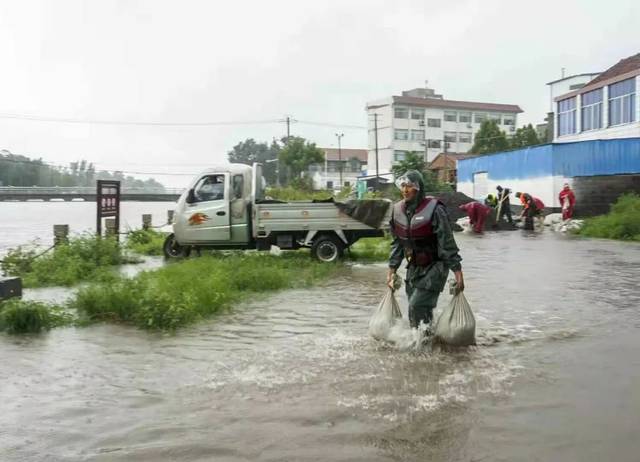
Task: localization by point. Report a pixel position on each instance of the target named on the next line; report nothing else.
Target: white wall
(545, 188)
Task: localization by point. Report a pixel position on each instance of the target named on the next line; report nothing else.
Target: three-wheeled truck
(226, 208)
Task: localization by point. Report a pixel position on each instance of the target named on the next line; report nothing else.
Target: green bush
(371, 249)
(622, 222)
(83, 258)
(186, 291)
(22, 317)
(145, 242)
(293, 194)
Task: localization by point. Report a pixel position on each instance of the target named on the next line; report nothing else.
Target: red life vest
(416, 235)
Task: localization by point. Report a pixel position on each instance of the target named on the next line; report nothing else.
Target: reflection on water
(294, 376)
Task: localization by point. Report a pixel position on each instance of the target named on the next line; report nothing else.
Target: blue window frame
(622, 100)
(567, 116)
(591, 110)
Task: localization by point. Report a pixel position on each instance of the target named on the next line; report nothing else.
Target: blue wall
(582, 158)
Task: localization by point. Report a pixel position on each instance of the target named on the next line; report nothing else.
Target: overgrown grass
(187, 291)
(83, 258)
(371, 249)
(622, 222)
(145, 242)
(23, 317)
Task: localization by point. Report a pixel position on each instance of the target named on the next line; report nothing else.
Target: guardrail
(83, 190)
(86, 193)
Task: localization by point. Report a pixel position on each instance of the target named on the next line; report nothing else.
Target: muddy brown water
(294, 377)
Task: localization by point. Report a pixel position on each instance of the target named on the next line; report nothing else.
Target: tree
(249, 151)
(489, 139)
(525, 136)
(297, 155)
(412, 161)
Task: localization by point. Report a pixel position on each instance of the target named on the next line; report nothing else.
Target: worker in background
(477, 214)
(491, 201)
(532, 207)
(422, 234)
(567, 201)
(504, 205)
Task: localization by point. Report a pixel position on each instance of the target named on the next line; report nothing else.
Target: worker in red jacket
(532, 207)
(567, 201)
(477, 213)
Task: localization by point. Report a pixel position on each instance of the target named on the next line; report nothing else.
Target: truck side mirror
(191, 198)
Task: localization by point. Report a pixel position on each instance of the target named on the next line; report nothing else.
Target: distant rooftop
(452, 104)
(586, 74)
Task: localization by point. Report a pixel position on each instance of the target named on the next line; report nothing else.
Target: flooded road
(294, 376)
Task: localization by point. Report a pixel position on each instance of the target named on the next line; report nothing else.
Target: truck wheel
(172, 249)
(327, 248)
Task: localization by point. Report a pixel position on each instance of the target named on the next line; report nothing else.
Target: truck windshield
(209, 188)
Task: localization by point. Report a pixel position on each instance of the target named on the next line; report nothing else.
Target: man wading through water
(422, 233)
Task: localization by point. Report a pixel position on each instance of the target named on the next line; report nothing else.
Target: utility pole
(446, 167)
(375, 132)
(288, 120)
(339, 136)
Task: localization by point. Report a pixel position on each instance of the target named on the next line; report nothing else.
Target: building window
(591, 110)
(399, 155)
(496, 117)
(417, 114)
(347, 184)
(450, 136)
(464, 117)
(417, 135)
(464, 137)
(450, 116)
(479, 117)
(434, 122)
(567, 116)
(329, 184)
(508, 120)
(401, 134)
(622, 98)
(434, 144)
(401, 113)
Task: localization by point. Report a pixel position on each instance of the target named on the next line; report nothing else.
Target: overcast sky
(188, 61)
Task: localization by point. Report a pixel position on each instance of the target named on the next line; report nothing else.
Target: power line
(37, 118)
(332, 125)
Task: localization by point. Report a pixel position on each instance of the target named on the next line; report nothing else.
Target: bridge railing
(68, 190)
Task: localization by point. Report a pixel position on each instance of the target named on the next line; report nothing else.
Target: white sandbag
(456, 325)
(553, 219)
(385, 317)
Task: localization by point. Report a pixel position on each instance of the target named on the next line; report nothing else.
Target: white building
(421, 121)
(568, 84)
(339, 164)
(607, 107)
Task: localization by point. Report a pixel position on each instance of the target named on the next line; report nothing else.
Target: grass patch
(26, 317)
(371, 249)
(622, 222)
(145, 242)
(187, 291)
(83, 258)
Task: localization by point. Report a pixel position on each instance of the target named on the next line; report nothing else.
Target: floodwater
(294, 375)
(24, 222)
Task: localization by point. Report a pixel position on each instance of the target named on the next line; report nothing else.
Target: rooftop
(586, 74)
(623, 69)
(452, 104)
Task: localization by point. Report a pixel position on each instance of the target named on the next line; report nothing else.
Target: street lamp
(339, 136)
